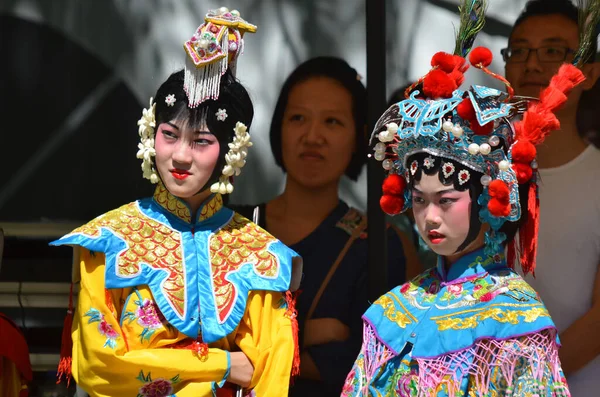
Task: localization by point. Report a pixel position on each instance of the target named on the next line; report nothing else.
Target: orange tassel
(290, 299)
(529, 232)
(66, 346)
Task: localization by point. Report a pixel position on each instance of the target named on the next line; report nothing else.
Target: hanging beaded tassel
(202, 83)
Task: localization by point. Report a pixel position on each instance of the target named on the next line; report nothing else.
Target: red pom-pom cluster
(392, 200)
(523, 153)
(466, 111)
(447, 75)
(499, 204)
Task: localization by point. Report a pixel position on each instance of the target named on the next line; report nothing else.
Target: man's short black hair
(566, 8)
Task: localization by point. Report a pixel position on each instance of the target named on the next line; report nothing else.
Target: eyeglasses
(544, 54)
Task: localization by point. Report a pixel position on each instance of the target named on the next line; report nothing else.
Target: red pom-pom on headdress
(465, 110)
(438, 84)
(499, 204)
(391, 205)
(394, 185)
(479, 129)
(481, 56)
(523, 171)
(523, 152)
(444, 61)
(392, 200)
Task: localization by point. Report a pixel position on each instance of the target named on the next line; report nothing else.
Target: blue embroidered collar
(471, 265)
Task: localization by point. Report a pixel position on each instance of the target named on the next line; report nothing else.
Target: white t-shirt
(569, 250)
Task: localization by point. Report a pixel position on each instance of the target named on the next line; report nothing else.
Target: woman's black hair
(475, 188)
(338, 70)
(233, 99)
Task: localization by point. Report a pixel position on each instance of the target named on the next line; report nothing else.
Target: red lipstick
(179, 174)
(435, 237)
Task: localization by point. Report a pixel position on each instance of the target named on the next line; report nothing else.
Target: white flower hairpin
(235, 159)
(221, 114)
(170, 100)
(146, 151)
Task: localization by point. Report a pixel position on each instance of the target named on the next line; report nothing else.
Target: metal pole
(376, 103)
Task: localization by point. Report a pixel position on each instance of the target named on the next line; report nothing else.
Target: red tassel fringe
(528, 234)
(539, 119)
(66, 346)
(290, 299)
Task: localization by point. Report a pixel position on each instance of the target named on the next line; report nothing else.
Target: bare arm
(580, 342)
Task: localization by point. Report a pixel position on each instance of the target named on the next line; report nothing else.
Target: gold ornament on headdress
(214, 47)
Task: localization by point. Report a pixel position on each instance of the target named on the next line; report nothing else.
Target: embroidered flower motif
(448, 169)
(170, 100)
(104, 327)
(221, 114)
(349, 384)
(488, 296)
(463, 177)
(147, 316)
(414, 166)
(455, 289)
(404, 289)
(407, 384)
(156, 388)
(146, 146)
(428, 162)
(235, 159)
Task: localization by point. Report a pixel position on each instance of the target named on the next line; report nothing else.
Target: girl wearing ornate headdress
(179, 295)
(471, 326)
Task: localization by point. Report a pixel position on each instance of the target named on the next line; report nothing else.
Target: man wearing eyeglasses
(544, 36)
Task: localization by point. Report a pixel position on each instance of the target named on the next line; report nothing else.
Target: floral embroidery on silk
(158, 387)
(104, 327)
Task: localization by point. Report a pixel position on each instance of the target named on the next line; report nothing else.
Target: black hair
(475, 188)
(565, 8)
(338, 70)
(233, 98)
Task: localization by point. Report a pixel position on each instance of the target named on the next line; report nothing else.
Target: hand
(319, 331)
(241, 369)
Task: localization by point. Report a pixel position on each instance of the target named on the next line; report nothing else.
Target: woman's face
(318, 132)
(185, 157)
(442, 215)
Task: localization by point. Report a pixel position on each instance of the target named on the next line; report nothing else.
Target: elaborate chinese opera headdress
(477, 136)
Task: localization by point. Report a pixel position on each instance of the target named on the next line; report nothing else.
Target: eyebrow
(451, 190)
(196, 132)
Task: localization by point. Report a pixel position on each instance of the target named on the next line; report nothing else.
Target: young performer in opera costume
(471, 326)
(179, 295)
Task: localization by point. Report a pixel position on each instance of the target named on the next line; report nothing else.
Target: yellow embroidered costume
(168, 292)
(155, 285)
